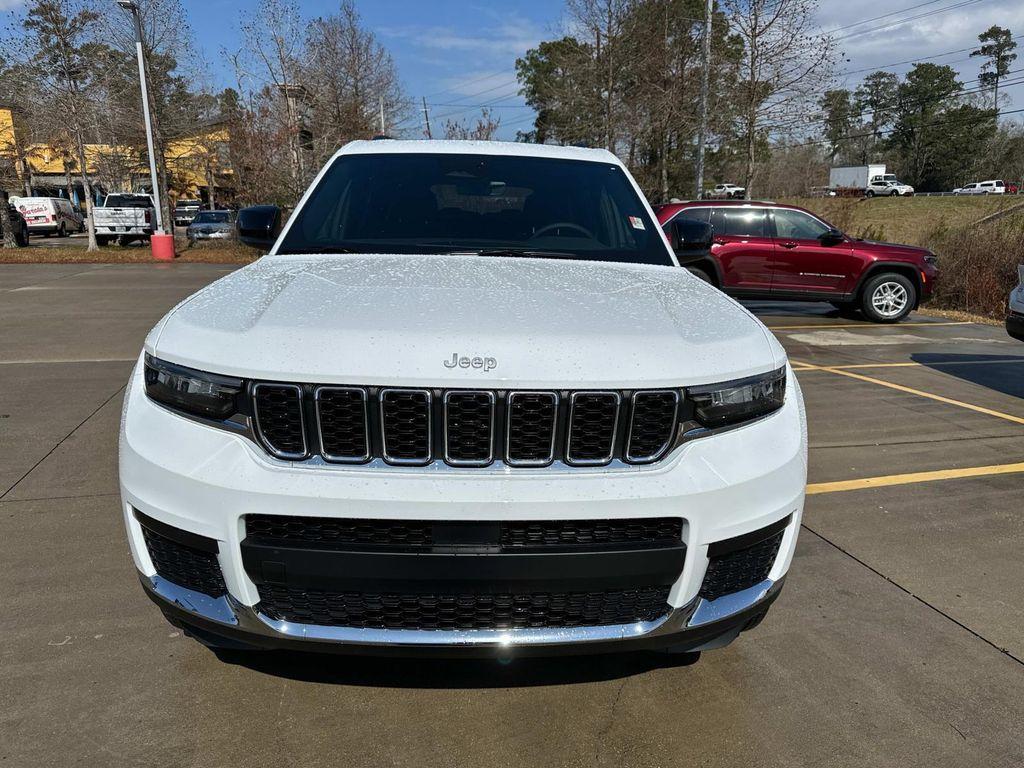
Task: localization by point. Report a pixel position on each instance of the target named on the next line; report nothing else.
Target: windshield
(447, 203)
(212, 217)
(126, 201)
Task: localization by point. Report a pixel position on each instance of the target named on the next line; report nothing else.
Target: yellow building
(195, 165)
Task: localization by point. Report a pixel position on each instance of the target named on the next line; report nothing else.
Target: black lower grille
(641, 533)
(183, 565)
(394, 535)
(510, 535)
(364, 610)
(740, 569)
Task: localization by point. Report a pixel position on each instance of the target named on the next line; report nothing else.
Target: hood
(465, 321)
(892, 249)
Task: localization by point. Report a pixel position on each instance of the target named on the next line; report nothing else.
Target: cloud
(502, 36)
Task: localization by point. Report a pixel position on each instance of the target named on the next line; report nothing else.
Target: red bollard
(163, 246)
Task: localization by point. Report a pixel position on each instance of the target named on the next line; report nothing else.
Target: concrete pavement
(897, 641)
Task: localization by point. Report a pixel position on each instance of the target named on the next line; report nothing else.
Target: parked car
(185, 211)
(211, 225)
(1015, 318)
(1013, 187)
(887, 185)
(124, 217)
(772, 251)
(725, 192)
(994, 187)
(468, 403)
(48, 215)
(18, 226)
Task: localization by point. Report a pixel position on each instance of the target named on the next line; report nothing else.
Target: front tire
(888, 298)
(869, 193)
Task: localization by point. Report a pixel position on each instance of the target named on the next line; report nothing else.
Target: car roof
(504, 148)
(671, 209)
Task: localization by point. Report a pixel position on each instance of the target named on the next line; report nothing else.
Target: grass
(200, 253)
(910, 220)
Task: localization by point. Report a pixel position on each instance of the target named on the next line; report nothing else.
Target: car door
(742, 247)
(805, 260)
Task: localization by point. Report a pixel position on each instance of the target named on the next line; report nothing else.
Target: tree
(486, 126)
(839, 118)
(997, 45)
(556, 79)
(875, 96)
(786, 59)
(54, 52)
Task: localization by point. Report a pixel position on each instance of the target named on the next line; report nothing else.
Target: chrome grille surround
(466, 429)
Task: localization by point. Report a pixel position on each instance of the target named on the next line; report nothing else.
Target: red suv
(770, 251)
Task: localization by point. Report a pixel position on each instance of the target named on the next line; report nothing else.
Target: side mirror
(258, 226)
(833, 236)
(690, 235)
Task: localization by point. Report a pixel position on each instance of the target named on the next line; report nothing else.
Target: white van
(49, 215)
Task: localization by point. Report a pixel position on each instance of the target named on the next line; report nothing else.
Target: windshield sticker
(637, 222)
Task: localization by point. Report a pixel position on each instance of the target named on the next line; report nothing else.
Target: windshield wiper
(319, 249)
(522, 253)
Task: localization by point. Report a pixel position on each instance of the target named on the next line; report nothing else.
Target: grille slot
(593, 423)
(341, 420)
(183, 565)
(640, 533)
(328, 532)
(464, 611)
(469, 428)
(740, 569)
(279, 419)
(405, 426)
(652, 423)
(532, 419)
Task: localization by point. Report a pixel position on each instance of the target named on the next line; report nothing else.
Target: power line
(883, 16)
(909, 18)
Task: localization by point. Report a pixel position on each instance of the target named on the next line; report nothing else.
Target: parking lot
(898, 641)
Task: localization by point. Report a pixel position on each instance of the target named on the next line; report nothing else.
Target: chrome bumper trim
(228, 611)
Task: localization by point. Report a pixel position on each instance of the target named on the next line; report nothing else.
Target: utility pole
(426, 117)
(705, 75)
(382, 129)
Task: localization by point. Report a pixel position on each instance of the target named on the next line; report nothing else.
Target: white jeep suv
(467, 403)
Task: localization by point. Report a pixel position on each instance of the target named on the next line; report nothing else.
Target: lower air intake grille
(641, 533)
(741, 569)
(183, 565)
(328, 532)
(464, 611)
(278, 409)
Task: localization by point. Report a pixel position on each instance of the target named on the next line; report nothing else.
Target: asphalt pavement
(898, 640)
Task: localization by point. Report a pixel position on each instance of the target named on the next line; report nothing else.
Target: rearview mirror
(690, 235)
(258, 226)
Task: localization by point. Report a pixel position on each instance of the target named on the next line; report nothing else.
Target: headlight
(191, 391)
(734, 402)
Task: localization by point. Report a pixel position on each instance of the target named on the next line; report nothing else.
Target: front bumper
(1015, 325)
(205, 481)
(193, 235)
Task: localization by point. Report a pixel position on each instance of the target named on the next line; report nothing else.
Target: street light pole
(132, 7)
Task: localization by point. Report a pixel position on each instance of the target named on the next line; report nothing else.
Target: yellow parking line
(811, 367)
(829, 326)
(913, 477)
(929, 395)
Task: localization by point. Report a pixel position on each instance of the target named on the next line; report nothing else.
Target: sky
(463, 53)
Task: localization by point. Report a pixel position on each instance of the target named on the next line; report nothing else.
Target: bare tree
(786, 63)
(486, 127)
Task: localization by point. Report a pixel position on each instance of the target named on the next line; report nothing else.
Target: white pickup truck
(125, 217)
